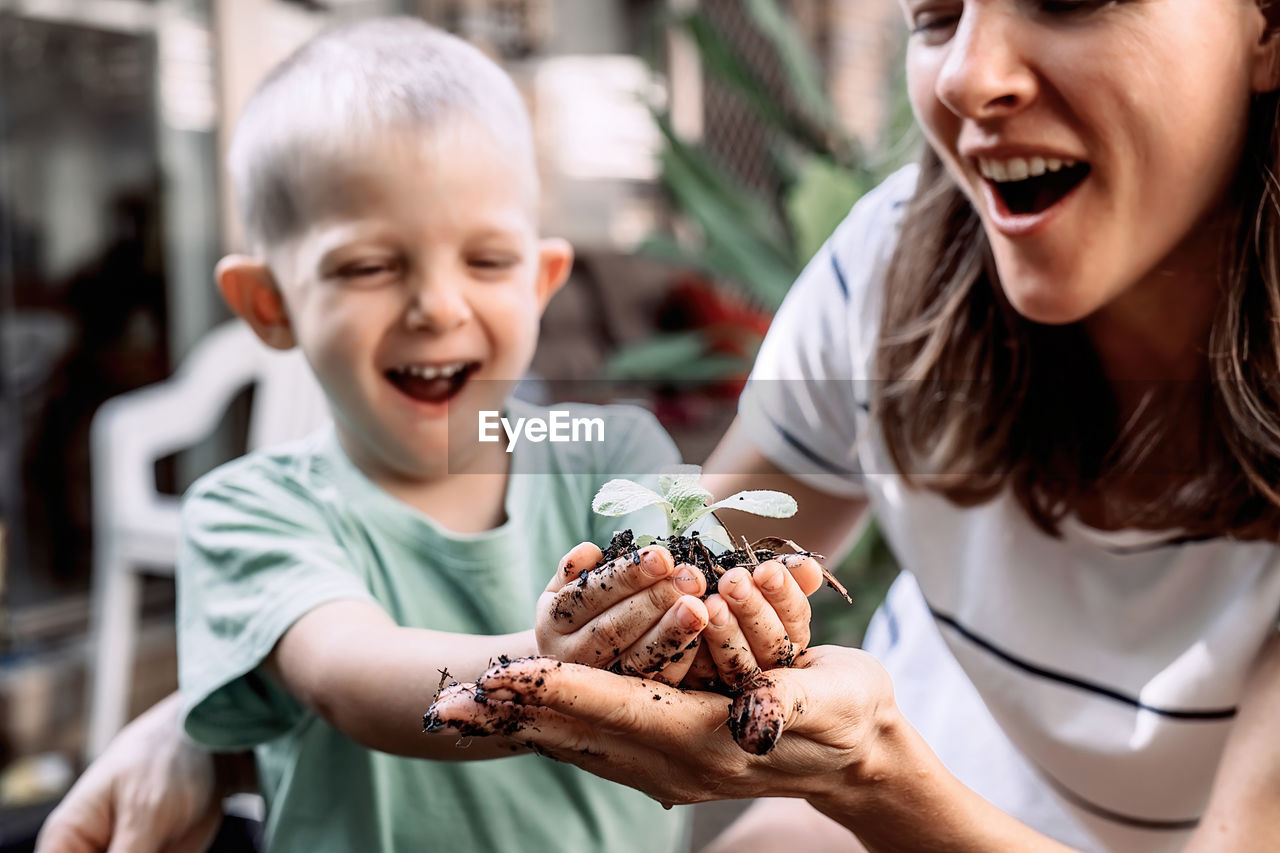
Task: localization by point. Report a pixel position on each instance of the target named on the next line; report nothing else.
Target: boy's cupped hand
(643, 615)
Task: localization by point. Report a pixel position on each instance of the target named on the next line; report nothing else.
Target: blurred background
(696, 152)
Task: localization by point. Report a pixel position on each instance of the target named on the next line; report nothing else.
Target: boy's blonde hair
(345, 88)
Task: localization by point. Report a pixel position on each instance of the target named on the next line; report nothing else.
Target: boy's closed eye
(363, 270)
(368, 270)
(493, 263)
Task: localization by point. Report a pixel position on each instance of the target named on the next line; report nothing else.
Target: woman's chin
(1050, 307)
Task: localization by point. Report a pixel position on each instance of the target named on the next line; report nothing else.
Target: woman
(1048, 360)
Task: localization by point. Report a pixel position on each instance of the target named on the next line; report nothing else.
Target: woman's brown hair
(974, 399)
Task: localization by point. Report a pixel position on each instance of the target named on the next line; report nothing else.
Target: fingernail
(686, 618)
(653, 564)
(718, 613)
(772, 580)
(687, 582)
(735, 588)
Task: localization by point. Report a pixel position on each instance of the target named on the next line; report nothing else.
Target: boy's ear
(250, 291)
(1266, 69)
(555, 259)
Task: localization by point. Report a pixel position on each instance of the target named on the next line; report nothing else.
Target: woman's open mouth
(1026, 186)
(432, 383)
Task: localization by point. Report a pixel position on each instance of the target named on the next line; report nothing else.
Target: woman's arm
(150, 790)
(1244, 810)
(773, 824)
(825, 524)
(826, 731)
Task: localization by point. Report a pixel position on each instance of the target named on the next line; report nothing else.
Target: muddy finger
(598, 589)
(756, 619)
(468, 710)
(806, 571)
(608, 636)
(757, 718)
(580, 558)
(617, 702)
(572, 738)
(786, 598)
(734, 661)
(666, 651)
(702, 673)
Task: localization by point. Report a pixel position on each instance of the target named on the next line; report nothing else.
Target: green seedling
(685, 502)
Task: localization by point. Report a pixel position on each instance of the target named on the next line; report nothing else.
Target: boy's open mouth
(1030, 186)
(432, 383)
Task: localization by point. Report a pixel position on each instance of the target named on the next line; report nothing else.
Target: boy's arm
(372, 679)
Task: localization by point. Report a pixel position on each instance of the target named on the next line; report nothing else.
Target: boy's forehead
(389, 171)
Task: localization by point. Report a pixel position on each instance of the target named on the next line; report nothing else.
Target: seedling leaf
(620, 497)
(685, 501)
(759, 502)
(717, 534)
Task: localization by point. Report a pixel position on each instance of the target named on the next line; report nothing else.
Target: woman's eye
(1071, 7)
(934, 25)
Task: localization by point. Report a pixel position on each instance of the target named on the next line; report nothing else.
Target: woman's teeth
(1021, 168)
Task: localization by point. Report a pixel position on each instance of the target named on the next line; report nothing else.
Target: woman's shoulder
(846, 279)
(870, 230)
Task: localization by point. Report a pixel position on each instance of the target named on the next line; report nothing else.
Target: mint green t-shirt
(268, 537)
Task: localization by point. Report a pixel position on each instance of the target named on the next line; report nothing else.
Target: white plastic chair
(136, 527)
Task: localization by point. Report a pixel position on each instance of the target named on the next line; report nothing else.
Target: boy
(386, 180)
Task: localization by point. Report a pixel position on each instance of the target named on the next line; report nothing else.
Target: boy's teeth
(431, 371)
(1020, 168)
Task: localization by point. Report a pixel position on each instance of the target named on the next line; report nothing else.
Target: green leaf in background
(723, 60)
(803, 76)
(742, 241)
(691, 163)
(679, 356)
(818, 201)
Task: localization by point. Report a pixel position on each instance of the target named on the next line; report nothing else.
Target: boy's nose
(985, 74)
(436, 305)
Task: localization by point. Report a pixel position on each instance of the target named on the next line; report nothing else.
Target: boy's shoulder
(295, 466)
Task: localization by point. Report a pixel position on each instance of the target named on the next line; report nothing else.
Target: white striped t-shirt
(1085, 684)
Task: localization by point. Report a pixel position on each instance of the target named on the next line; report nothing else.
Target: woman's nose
(986, 73)
(436, 303)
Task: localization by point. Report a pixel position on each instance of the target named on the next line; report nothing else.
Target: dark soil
(692, 551)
